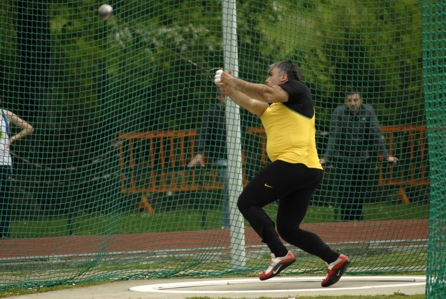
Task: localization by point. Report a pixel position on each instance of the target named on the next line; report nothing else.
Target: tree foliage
(156, 58)
(374, 46)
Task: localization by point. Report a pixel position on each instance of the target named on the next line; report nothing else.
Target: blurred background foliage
(155, 56)
(80, 80)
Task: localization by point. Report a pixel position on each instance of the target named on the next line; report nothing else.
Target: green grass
(394, 296)
(184, 220)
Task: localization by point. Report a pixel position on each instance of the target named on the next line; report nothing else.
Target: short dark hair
(354, 91)
(287, 67)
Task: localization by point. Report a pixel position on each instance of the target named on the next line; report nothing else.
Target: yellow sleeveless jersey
(291, 137)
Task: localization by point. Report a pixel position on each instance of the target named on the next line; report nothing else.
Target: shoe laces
(274, 261)
(331, 265)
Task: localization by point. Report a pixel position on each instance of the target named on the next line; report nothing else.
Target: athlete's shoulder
(299, 84)
(8, 113)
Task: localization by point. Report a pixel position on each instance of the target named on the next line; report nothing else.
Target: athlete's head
(287, 67)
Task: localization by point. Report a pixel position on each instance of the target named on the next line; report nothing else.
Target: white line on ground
(398, 281)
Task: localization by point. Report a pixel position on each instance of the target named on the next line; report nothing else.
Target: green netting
(102, 188)
(434, 44)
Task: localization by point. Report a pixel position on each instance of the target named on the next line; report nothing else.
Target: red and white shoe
(277, 265)
(335, 270)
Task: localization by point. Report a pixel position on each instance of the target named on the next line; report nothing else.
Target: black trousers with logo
(293, 185)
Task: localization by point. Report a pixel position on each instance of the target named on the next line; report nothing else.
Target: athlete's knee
(287, 232)
(243, 205)
(283, 232)
(245, 199)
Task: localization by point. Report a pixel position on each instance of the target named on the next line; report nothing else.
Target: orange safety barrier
(157, 161)
(416, 174)
(167, 154)
(415, 136)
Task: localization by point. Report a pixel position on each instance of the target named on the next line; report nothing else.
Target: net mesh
(433, 82)
(103, 188)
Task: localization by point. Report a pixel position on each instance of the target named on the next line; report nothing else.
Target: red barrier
(157, 161)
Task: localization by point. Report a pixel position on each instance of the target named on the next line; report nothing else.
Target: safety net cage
(121, 159)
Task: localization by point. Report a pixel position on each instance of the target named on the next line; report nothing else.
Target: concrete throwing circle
(281, 284)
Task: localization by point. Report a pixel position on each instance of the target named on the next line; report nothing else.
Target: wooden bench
(152, 162)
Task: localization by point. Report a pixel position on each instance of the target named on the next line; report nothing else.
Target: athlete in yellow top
(286, 109)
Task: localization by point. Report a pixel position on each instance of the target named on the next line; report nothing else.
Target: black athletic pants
(293, 185)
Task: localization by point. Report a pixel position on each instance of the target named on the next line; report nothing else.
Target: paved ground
(278, 287)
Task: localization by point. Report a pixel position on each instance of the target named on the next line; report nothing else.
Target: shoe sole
(278, 268)
(337, 275)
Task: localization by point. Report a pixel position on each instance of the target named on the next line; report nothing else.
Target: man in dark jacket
(353, 128)
(211, 145)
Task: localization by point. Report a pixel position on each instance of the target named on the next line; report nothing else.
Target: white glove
(217, 77)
